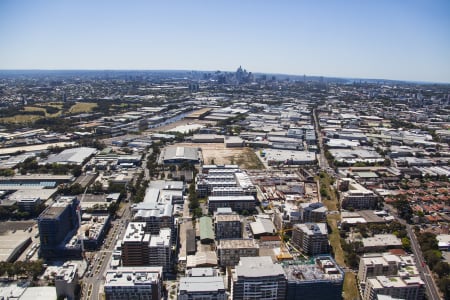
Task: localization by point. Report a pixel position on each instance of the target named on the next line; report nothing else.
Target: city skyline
(405, 40)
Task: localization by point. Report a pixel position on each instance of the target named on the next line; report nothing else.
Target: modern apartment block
(357, 196)
(66, 281)
(230, 251)
(407, 288)
(57, 225)
(156, 211)
(236, 203)
(312, 212)
(135, 250)
(311, 238)
(127, 283)
(258, 278)
(319, 278)
(160, 250)
(143, 249)
(202, 283)
(391, 275)
(227, 225)
(226, 180)
(386, 264)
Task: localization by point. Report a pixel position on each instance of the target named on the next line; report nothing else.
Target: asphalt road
(94, 278)
(430, 285)
(323, 163)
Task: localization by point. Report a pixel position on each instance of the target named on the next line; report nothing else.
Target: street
(427, 277)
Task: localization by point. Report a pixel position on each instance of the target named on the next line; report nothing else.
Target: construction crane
(284, 252)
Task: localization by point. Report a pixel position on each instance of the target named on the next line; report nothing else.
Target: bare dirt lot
(216, 153)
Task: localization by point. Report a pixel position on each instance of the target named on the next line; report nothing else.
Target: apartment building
(230, 251)
(127, 283)
(258, 278)
(311, 238)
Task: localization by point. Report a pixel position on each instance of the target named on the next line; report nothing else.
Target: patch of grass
(33, 108)
(350, 286)
(248, 160)
(335, 239)
(82, 107)
(18, 119)
(37, 108)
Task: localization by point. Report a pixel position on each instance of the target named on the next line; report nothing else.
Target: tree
(442, 269)
(77, 171)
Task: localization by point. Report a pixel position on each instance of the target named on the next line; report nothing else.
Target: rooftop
(258, 267)
(322, 268)
(130, 276)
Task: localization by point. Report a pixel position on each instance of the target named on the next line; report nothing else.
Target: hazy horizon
(401, 40)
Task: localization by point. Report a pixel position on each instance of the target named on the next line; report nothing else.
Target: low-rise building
(381, 242)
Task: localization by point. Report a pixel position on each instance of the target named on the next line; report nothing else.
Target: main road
(95, 276)
(430, 285)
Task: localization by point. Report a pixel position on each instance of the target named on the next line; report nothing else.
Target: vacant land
(18, 119)
(350, 288)
(217, 153)
(82, 107)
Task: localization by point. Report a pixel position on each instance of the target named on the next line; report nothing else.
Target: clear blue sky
(391, 39)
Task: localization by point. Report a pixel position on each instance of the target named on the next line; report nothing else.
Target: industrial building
(206, 230)
(230, 251)
(57, 225)
(317, 278)
(258, 278)
(12, 245)
(179, 155)
(288, 157)
(73, 156)
(202, 283)
(262, 227)
(127, 283)
(311, 238)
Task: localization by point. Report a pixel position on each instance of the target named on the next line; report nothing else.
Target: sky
(384, 39)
